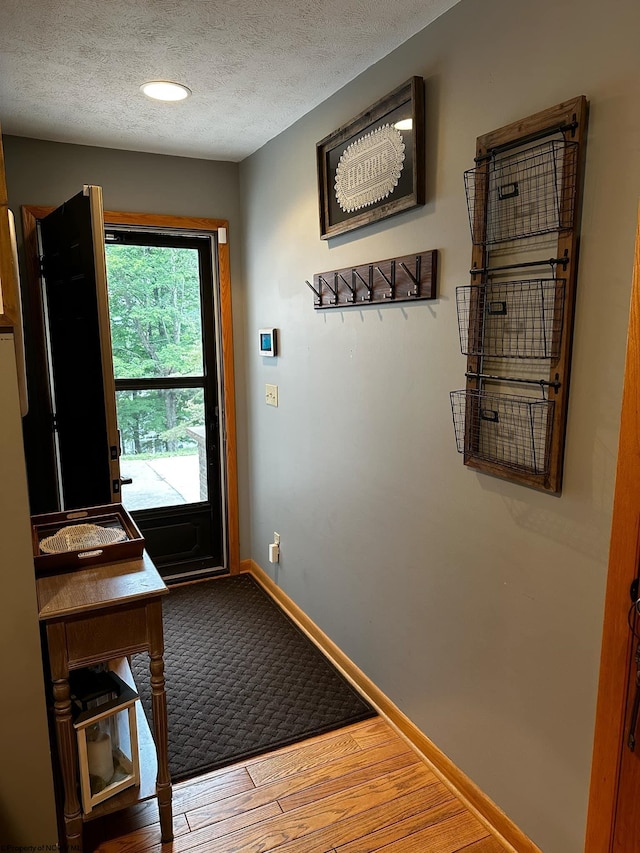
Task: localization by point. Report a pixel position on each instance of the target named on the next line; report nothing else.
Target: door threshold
(175, 577)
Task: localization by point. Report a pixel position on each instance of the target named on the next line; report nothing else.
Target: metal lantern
(107, 735)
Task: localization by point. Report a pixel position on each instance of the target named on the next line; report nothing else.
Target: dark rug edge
(368, 711)
(273, 746)
(334, 666)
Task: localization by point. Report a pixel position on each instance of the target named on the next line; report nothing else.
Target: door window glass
(154, 303)
(162, 437)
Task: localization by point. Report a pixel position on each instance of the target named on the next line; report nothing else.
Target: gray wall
(475, 604)
(47, 173)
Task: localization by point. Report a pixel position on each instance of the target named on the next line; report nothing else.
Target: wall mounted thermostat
(268, 342)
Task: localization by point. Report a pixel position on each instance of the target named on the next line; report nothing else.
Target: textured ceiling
(70, 70)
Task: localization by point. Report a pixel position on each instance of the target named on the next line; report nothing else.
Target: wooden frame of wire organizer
(515, 318)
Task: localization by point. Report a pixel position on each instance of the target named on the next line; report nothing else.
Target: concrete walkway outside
(167, 481)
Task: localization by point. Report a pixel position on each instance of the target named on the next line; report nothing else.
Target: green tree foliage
(143, 422)
(154, 303)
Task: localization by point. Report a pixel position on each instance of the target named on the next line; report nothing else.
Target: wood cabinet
(27, 811)
(9, 304)
(98, 614)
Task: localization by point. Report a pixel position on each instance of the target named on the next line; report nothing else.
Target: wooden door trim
(617, 642)
(30, 216)
(9, 309)
(106, 349)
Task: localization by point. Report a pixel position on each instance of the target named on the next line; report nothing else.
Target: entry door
(79, 352)
(627, 821)
(161, 304)
(614, 807)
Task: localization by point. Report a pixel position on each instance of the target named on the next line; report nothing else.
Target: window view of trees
(154, 303)
(153, 423)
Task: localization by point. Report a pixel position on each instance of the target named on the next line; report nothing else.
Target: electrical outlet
(274, 549)
(271, 394)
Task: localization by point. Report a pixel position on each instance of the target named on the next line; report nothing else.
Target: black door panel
(71, 317)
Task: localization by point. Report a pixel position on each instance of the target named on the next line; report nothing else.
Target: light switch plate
(271, 394)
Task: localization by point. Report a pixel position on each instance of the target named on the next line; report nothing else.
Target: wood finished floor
(356, 790)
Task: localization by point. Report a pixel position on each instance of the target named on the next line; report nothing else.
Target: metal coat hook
(317, 293)
(414, 278)
(391, 282)
(321, 278)
(351, 288)
(367, 284)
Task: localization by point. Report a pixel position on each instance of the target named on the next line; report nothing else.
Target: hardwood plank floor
(357, 790)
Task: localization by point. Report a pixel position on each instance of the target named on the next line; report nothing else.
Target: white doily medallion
(79, 536)
(369, 169)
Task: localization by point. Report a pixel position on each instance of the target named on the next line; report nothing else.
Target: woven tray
(72, 540)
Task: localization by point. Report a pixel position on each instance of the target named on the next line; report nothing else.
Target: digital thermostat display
(268, 345)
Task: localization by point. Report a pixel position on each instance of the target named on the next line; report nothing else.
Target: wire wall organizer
(511, 319)
(511, 431)
(515, 318)
(522, 194)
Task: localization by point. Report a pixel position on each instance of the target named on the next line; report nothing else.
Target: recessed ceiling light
(163, 90)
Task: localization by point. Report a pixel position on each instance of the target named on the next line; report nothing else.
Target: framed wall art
(373, 166)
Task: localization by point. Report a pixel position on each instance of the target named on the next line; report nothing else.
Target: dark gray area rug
(241, 677)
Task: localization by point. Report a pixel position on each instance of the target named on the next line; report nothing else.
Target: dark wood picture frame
(380, 173)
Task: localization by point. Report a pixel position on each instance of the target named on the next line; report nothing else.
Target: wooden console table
(98, 614)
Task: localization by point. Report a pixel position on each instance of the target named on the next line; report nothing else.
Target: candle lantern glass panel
(107, 740)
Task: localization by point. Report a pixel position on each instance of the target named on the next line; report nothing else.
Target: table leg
(159, 710)
(66, 740)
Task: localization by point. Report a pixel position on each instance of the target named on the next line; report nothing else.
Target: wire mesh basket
(511, 319)
(522, 194)
(511, 431)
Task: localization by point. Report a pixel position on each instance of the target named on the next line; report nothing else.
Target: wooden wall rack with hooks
(515, 321)
(404, 279)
